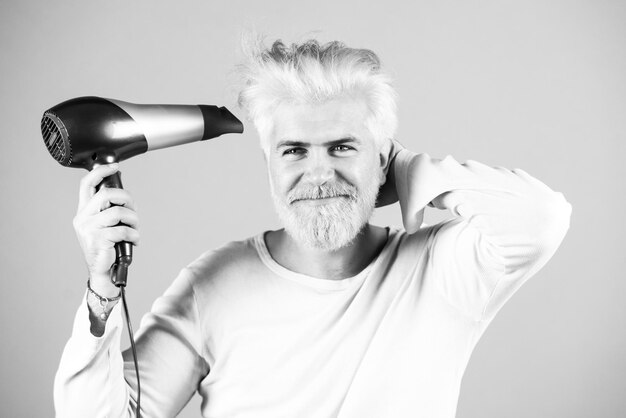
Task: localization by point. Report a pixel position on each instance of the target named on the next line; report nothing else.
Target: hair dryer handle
(123, 249)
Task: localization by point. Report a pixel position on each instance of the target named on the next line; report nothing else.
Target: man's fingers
(121, 233)
(115, 215)
(106, 197)
(91, 180)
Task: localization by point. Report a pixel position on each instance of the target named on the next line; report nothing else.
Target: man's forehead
(339, 118)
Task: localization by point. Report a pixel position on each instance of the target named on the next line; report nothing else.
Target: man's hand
(96, 225)
(407, 182)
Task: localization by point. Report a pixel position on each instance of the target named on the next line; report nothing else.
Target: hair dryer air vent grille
(56, 138)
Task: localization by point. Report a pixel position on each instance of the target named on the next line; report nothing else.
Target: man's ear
(387, 193)
(385, 155)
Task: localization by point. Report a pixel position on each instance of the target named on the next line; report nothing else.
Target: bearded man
(330, 316)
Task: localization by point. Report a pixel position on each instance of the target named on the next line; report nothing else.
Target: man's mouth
(321, 200)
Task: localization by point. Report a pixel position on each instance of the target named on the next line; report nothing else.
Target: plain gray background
(539, 85)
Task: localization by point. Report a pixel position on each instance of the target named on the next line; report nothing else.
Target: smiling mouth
(326, 199)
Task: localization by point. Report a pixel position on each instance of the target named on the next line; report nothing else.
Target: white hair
(313, 73)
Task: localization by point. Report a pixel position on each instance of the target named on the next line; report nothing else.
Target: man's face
(324, 170)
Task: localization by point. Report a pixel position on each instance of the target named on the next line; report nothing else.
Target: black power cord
(119, 273)
(120, 270)
(133, 349)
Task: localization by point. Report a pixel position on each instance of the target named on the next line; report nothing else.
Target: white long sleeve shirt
(257, 340)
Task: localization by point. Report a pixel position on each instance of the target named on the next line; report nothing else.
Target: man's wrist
(103, 285)
(100, 308)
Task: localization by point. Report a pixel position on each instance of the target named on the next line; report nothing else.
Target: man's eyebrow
(344, 140)
(292, 143)
(289, 143)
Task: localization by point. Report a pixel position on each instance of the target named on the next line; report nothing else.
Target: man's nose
(319, 170)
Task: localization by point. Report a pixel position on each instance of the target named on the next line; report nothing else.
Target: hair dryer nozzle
(219, 121)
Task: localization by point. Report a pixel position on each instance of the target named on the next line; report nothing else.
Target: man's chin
(328, 239)
(313, 243)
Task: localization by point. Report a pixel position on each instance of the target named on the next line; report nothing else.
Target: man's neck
(333, 265)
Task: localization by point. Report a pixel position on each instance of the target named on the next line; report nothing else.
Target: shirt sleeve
(507, 225)
(95, 379)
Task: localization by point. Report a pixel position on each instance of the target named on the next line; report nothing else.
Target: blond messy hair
(312, 73)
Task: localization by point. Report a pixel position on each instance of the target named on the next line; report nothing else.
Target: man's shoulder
(230, 257)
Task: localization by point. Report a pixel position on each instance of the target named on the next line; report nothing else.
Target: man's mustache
(322, 191)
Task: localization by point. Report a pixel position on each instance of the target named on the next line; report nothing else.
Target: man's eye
(294, 151)
(341, 148)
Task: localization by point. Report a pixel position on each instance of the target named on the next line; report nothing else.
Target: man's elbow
(558, 213)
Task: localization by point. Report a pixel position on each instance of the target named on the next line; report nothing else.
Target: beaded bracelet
(103, 301)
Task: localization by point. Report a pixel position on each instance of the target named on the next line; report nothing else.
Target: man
(330, 316)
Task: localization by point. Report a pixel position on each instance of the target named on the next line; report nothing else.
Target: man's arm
(95, 379)
(88, 381)
(508, 225)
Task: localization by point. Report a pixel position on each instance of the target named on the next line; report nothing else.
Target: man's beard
(329, 226)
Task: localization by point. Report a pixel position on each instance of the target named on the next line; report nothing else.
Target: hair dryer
(89, 131)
